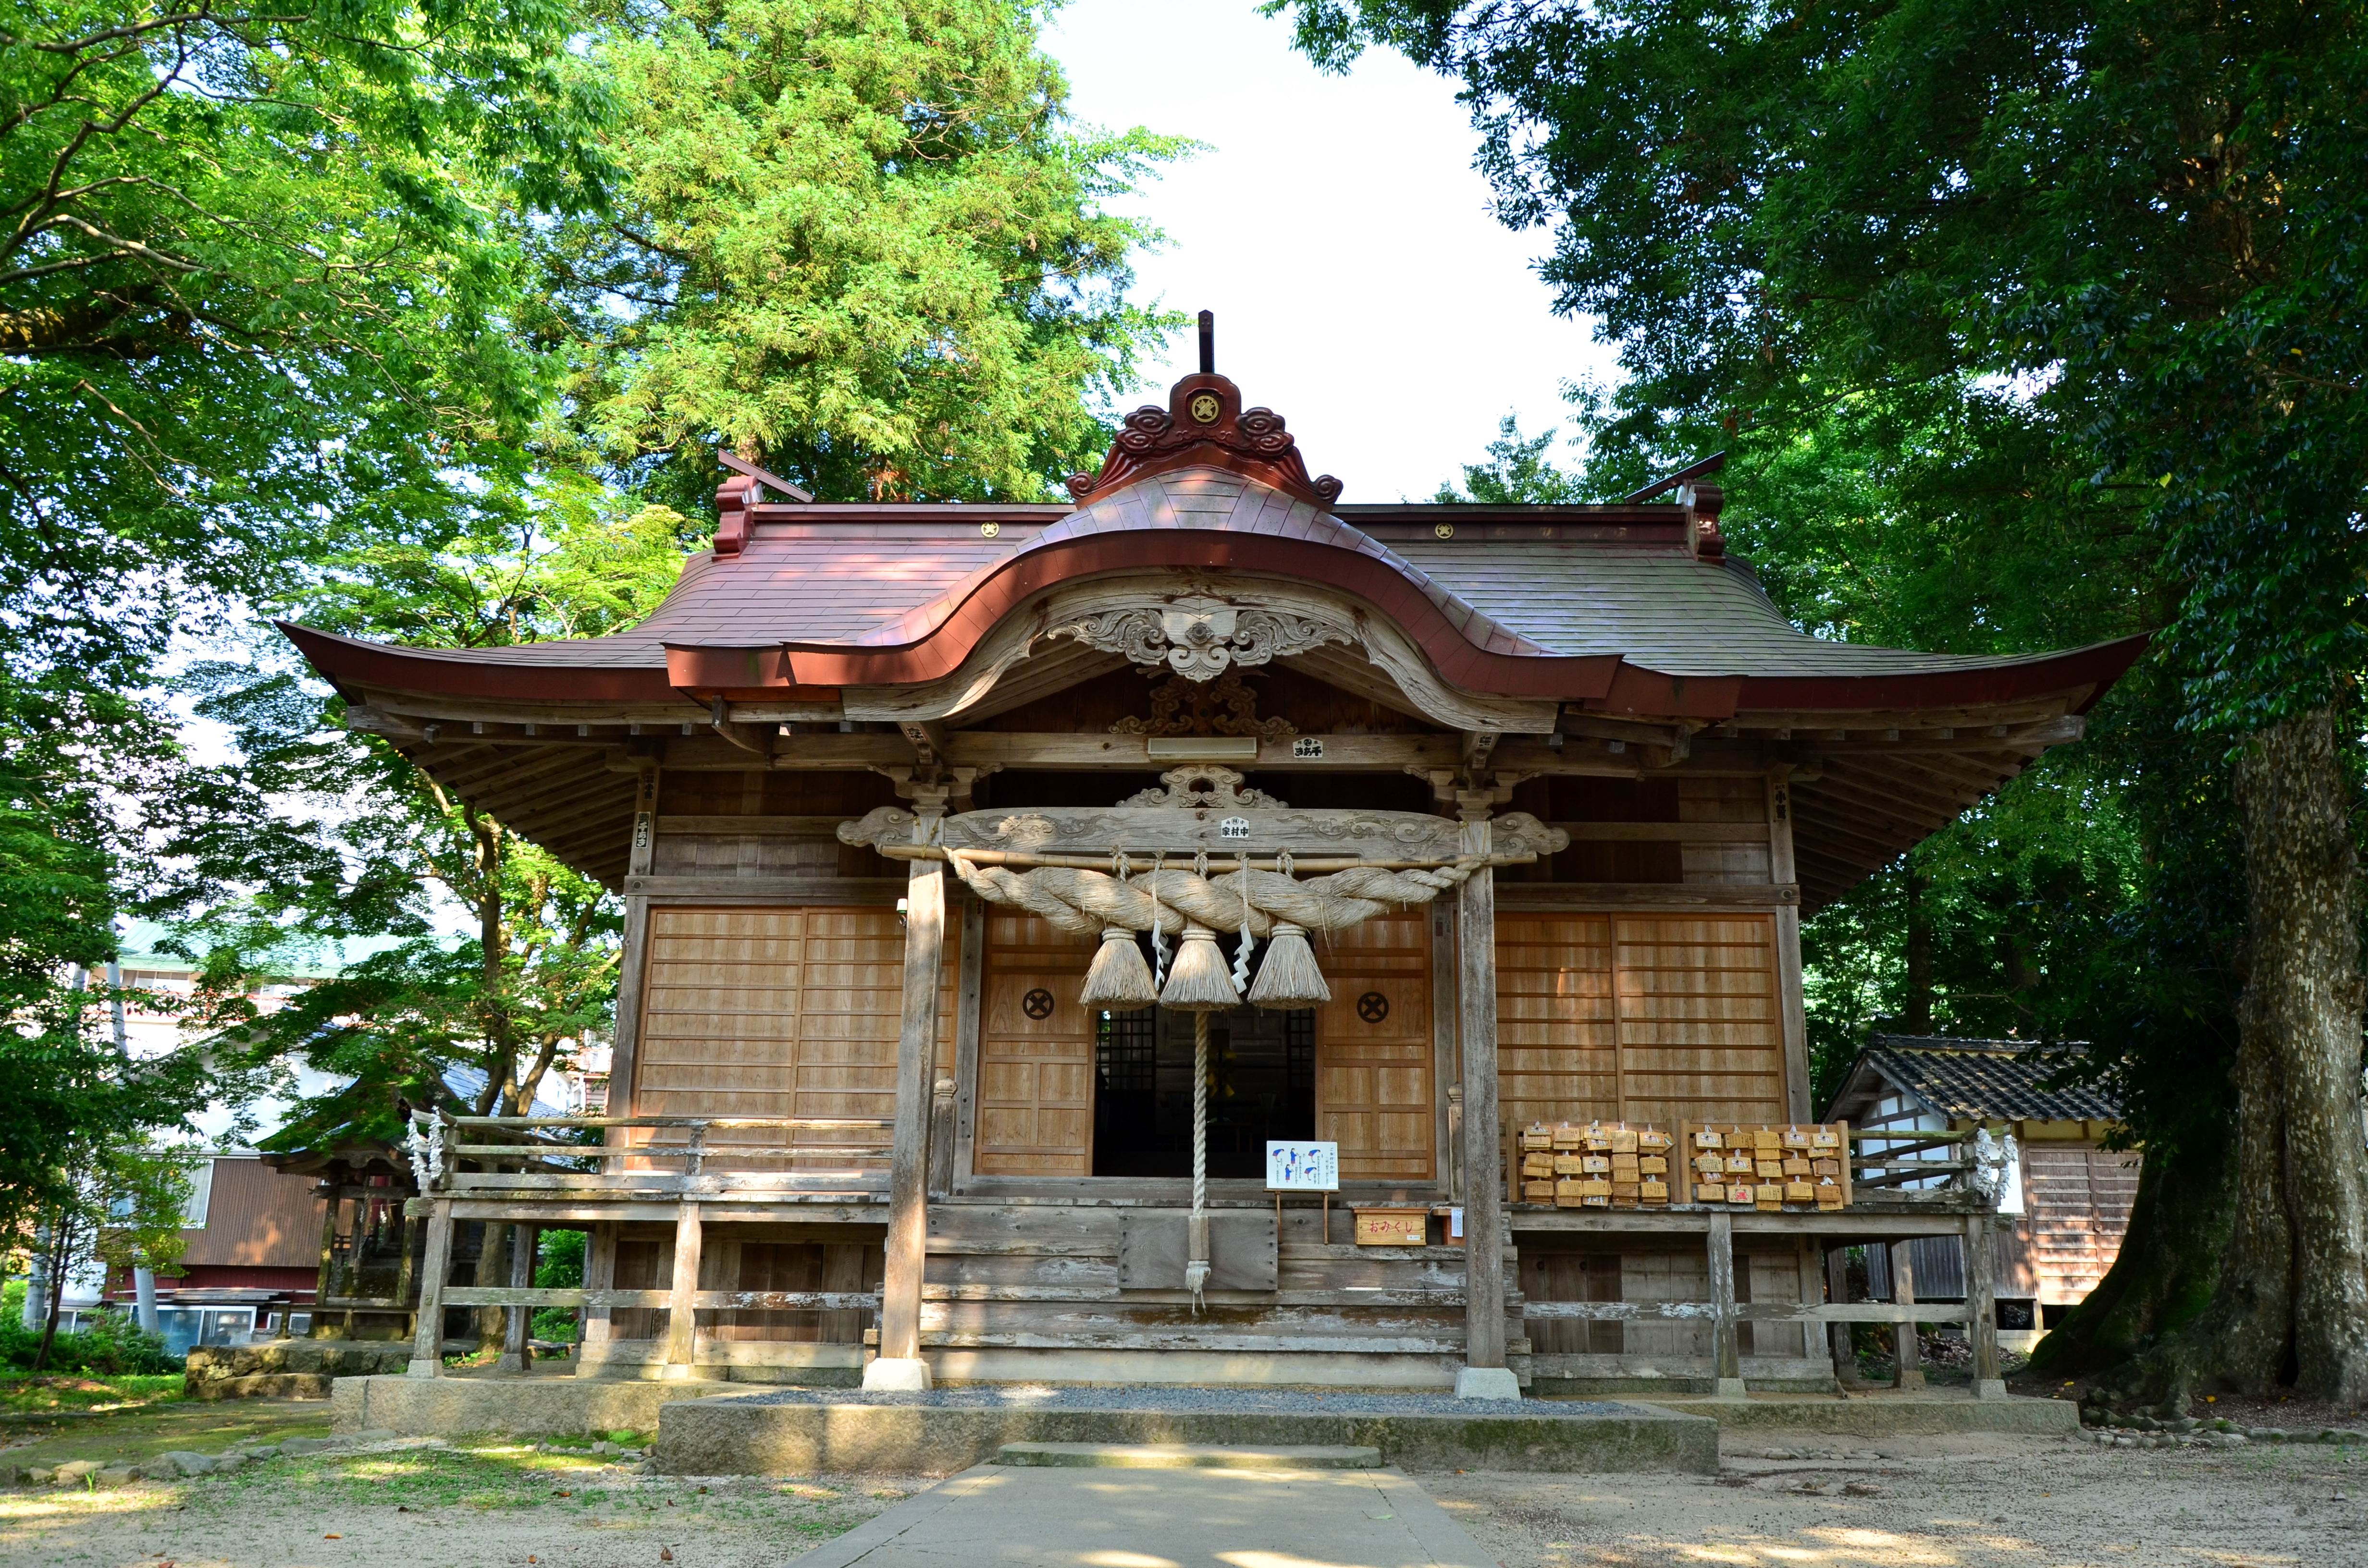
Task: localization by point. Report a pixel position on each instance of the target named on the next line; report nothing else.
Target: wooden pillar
(1449, 1101)
(599, 1274)
(682, 1302)
(1784, 871)
(1725, 1346)
(941, 1138)
(1845, 1352)
(1981, 1307)
(1484, 1213)
(517, 1349)
(428, 1330)
(970, 989)
(917, 1054)
(1910, 1373)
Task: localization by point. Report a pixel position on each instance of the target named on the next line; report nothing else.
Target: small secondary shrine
(1002, 879)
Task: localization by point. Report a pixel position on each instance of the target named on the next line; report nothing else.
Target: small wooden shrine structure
(2067, 1198)
(1509, 814)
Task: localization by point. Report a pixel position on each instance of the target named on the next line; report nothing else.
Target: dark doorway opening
(1261, 1087)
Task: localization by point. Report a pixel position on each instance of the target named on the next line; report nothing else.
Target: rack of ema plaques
(1768, 1168)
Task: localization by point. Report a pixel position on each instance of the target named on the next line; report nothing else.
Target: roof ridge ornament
(1205, 424)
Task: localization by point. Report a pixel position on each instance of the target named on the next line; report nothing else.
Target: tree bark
(493, 1270)
(2165, 1273)
(2302, 1175)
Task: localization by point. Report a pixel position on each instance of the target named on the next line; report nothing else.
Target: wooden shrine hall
(1000, 880)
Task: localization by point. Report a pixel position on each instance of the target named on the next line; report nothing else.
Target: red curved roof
(1610, 608)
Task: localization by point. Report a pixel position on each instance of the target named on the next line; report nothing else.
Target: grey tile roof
(1977, 1079)
(886, 582)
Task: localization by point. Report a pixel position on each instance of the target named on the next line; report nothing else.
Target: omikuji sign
(1302, 1167)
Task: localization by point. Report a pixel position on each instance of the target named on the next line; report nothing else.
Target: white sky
(1363, 290)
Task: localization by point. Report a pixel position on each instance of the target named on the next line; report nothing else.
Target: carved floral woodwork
(1225, 706)
(1199, 636)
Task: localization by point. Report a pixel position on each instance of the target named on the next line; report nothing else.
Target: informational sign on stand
(1302, 1167)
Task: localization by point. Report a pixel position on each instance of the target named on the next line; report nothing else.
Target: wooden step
(1191, 1456)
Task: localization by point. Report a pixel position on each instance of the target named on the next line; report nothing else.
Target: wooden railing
(1905, 1168)
(524, 1157)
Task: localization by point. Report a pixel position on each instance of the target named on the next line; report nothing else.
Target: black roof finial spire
(1208, 343)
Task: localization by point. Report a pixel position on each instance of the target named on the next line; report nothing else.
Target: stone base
(896, 1375)
(287, 1369)
(1727, 1388)
(1885, 1414)
(543, 1405)
(822, 1433)
(1488, 1382)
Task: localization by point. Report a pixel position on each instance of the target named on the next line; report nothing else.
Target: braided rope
(1196, 1267)
(1163, 901)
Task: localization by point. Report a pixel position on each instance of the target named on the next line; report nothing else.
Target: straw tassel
(1197, 981)
(1289, 978)
(1119, 980)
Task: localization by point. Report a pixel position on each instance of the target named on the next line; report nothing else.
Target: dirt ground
(461, 1506)
(130, 1436)
(1971, 1502)
(1975, 1502)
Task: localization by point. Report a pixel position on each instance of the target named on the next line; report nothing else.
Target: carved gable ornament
(1204, 424)
(1199, 637)
(1204, 808)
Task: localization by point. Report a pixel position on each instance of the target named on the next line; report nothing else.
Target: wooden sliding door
(1373, 1049)
(1644, 1018)
(1035, 1050)
(775, 1012)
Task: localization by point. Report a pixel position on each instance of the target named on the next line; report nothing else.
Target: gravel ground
(1989, 1500)
(1263, 1402)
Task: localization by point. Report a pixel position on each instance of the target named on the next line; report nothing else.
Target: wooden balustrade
(532, 1165)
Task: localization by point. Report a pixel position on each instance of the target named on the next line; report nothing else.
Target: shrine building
(1001, 880)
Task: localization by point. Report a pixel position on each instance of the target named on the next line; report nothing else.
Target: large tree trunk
(2163, 1280)
(492, 1273)
(2294, 1291)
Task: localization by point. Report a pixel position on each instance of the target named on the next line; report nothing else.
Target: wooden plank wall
(1035, 1075)
(776, 1011)
(2076, 1201)
(1640, 1017)
(1373, 1080)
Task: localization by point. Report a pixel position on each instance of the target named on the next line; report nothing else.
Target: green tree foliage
(862, 241)
(256, 281)
(114, 1206)
(503, 959)
(1519, 472)
(2093, 273)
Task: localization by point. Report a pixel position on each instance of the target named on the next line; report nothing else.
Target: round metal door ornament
(1372, 1006)
(1037, 1003)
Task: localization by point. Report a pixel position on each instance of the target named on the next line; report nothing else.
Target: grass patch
(127, 1435)
(23, 1393)
(497, 1476)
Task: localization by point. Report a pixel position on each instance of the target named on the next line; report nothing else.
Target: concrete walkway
(1161, 1518)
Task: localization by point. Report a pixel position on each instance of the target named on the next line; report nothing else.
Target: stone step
(1191, 1456)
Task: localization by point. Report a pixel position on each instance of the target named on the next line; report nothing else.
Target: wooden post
(1981, 1308)
(1910, 1373)
(917, 1051)
(1725, 1346)
(969, 987)
(1448, 1103)
(1845, 1351)
(599, 1274)
(941, 1138)
(427, 1331)
(1783, 870)
(682, 1304)
(1483, 1212)
(517, 1350)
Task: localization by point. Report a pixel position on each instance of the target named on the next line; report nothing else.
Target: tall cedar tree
(861, 241)
(2133, 234)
